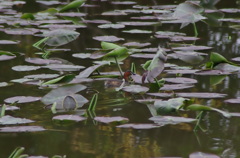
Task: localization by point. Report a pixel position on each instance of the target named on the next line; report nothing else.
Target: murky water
(90, 139)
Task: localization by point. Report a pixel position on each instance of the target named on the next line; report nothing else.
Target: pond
(61, 85)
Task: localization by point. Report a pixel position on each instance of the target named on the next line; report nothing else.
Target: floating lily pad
(123, 2)
(75, 118)
(41, 61)
(146, 56)
(135, 89)
(170, 105)
(4, 84)
(25, 68)
(162, 95)
(171, 120)
(21, 31)
(139, 126)
(22, 129)
(227, 67)
(191, 48)
(137, 31)
(9, 42)
(97, 21)
(113, 26)
(138, 23)
(114, 13)
(136, 44)
(108, 38)
(41, 76)
(111, 119)
(9, 120)
(201, 95)
(22, 99)
(181, 71)
(63, 67)
(6, 57)
(82, 55)
(233, 101)
(182, 80)
(211, 72)
(170, 87)
(203, 155)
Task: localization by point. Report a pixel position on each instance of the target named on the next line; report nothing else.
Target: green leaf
(17, 152)
(214, 80)
(73, 5)
(119, 53)
(93, 102)
(6, 53)
(28, 16)
(217, 58)
(62, 79)
(146, 64)
(198, 107)
(108, 45)
(3, 109)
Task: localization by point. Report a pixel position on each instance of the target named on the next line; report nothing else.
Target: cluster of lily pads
(58, 26)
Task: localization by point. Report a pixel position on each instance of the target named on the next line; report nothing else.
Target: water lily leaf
(189, 57)
(156, 66)
(27, 31)
(135, 89)
(71, 14)
(145, 56)
(111, 119)
(108, 38)
(212, 72)
(72, 5)
(9, 42)
(123, 2)
(63, 67)
(22, 99)
(41, 61)
(162, 95)
(171, 87)
(182, 80)
(136, 44)
(171, 120)
(75, 118)
(138, 23)
(191, 48)
(215, 80)
(108, 45)
(233, 101)
(22, 129)
(58, 94)
(227, 67)
(202, 155)
(9, 120)
(82, 55)
(114, 13)
(88, 71)
(170, 105)
(28, 16)
(181, 71)
(41, 76)
(25, 68)
(118, 54)
(4, 84)
(60, 37)
(10, 108)
(188, 12)
(139, 126)
(201, 95)
(62, 79)
(112, 26)
(137, 31)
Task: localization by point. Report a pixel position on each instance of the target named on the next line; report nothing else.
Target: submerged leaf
(22, 129)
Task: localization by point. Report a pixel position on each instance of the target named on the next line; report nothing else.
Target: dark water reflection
(87, 139)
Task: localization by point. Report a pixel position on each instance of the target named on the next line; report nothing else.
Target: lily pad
(4, 84)
(233, 101)
(41, 61)
(22, 99)
(138, 23)
(171, 87)
(41, 76)
(211, 72)
(82, 55)
(135, 89)
(111, 119)
(22, 129)
(112, 26)
(137, 31)
(182, 80)
(63, 67)
(139, 126)
(171, 120)
(9, 120)
(201, 95)
(170, 105)
(6, 57)
(25, 68)
(9, 42)
(75, 118)
(108, 38)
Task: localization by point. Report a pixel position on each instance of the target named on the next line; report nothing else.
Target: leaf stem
(195, 29)
(119, 68)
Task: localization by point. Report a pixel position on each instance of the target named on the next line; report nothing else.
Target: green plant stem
(199, 117)
(195, 30)
(119, 68)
